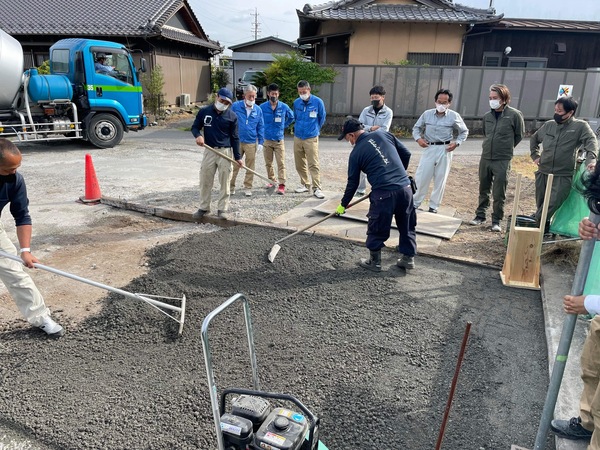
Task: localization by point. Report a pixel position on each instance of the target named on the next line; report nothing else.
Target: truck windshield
(115, 65)
(249, 76)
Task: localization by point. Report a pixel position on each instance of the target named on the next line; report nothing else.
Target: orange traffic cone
(92, 188)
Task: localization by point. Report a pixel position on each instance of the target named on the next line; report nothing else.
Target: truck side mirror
(143, 65)
(239, 79)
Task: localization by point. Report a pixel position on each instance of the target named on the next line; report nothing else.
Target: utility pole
(255, 25)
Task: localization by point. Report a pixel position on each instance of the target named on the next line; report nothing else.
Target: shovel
(271, 186)
(275, 249)
(149, 299)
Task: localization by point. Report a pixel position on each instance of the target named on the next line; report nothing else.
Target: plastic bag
(566, 219)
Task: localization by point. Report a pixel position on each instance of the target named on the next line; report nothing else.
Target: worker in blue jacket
(251, 130)
(384, 159)
(309, 112)
(277, 116)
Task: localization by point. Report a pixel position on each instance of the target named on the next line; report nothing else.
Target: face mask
(494, 104)
(375, 103)
(250, 103)
(273, 99)
(221, 106)
(440, 108)
(559, 118)
(304, 96)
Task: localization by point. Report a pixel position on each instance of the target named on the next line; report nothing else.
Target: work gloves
(340, 210)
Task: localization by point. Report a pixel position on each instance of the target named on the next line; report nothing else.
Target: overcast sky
(231, 22)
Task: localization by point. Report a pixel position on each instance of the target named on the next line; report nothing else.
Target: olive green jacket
(560, 145)
(503, 134)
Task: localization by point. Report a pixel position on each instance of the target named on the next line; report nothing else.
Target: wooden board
(437, 225)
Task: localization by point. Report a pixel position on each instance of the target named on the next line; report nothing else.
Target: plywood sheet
(438, 225)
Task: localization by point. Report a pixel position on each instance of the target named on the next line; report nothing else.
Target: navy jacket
(383, 158)
(220, 130)
(13, 191)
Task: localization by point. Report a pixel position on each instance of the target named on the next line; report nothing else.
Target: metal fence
(410, 89)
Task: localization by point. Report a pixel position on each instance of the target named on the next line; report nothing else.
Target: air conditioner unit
(184, 100)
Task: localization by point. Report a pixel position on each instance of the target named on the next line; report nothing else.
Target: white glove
(259, 147)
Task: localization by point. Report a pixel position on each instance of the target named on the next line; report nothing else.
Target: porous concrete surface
(372, 355)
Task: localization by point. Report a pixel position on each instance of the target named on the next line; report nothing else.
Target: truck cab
(108, 97)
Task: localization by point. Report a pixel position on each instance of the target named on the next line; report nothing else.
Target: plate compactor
(253, 421)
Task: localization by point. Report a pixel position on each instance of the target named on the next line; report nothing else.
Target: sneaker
(223, 215)
(406, 262)
(301, 189)
(231, 191)
(496, 227)
(317, 193)
(51, 327)
(199, 214)
(433, 210)
(281, 189)
(269, 185)
(248, 193)
(359, 193)
(570, 429)
(477, 220)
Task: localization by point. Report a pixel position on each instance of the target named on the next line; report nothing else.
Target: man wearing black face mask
(561, 139)
(375, 117)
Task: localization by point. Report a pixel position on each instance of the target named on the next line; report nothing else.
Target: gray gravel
(372, 355)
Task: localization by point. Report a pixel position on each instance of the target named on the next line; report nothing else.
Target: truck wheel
(105, 131)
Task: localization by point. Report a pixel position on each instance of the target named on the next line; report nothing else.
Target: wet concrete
(372, 355)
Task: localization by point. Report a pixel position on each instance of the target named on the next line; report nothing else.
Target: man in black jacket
(384, 159)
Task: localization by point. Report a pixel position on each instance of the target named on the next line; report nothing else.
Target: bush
(292, 67)
(154, 82)
(44, 69)
(219, 78)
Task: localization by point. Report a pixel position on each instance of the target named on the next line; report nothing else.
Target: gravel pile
(372, 355)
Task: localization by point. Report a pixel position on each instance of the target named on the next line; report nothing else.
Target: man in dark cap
(384, 159)
(220, 126)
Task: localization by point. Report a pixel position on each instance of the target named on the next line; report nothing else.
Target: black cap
(350, 126)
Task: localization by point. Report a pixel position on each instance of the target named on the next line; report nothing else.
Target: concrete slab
(305, 214)
(442, 224)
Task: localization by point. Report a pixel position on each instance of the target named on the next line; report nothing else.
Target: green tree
(44, 69)
(292, 67)
(219, 78)
(154, 82)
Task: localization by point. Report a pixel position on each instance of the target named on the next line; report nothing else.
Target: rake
(149, 299)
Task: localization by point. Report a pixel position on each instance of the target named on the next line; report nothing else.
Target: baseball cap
(225, 94)
(350, 126)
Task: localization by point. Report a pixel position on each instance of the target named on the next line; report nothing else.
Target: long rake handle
(328, 216)
(228, 158)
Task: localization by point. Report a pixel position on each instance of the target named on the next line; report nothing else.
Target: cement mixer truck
(80, 99)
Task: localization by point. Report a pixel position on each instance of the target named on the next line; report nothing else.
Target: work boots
(406, 262)
(373, 263)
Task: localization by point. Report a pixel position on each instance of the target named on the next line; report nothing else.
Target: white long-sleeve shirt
(592, 304)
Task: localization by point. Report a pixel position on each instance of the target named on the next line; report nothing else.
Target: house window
(536, 63)
(492, 59)
(434, 59)
(60, 61)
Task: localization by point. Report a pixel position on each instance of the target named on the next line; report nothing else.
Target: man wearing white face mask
(503, 128)
(220, 126)
(434, 131)
(251, 128)
(309, 112)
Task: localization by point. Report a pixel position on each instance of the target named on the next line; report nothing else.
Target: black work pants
(385, 205)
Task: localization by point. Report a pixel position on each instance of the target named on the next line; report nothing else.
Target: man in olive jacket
(503, 129)
(561, 140)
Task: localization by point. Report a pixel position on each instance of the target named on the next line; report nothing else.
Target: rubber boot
(406, 262)
(373, 263)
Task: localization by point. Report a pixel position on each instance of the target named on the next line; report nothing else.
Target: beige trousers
(589, 404)
(20, 285)
(249, 151)
(275, 149)
(306, 157)
(211, 163)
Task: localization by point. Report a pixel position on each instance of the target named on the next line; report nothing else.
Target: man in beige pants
(18, 282)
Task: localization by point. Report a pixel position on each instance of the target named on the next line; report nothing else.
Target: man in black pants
(384, 159)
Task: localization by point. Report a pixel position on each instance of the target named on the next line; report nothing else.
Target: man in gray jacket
(561, 139)
(503, 129)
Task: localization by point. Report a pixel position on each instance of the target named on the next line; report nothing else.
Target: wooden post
(521, 267)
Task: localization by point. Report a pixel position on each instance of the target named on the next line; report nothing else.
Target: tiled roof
(546, 24)
(424, 11)
(95, 18)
